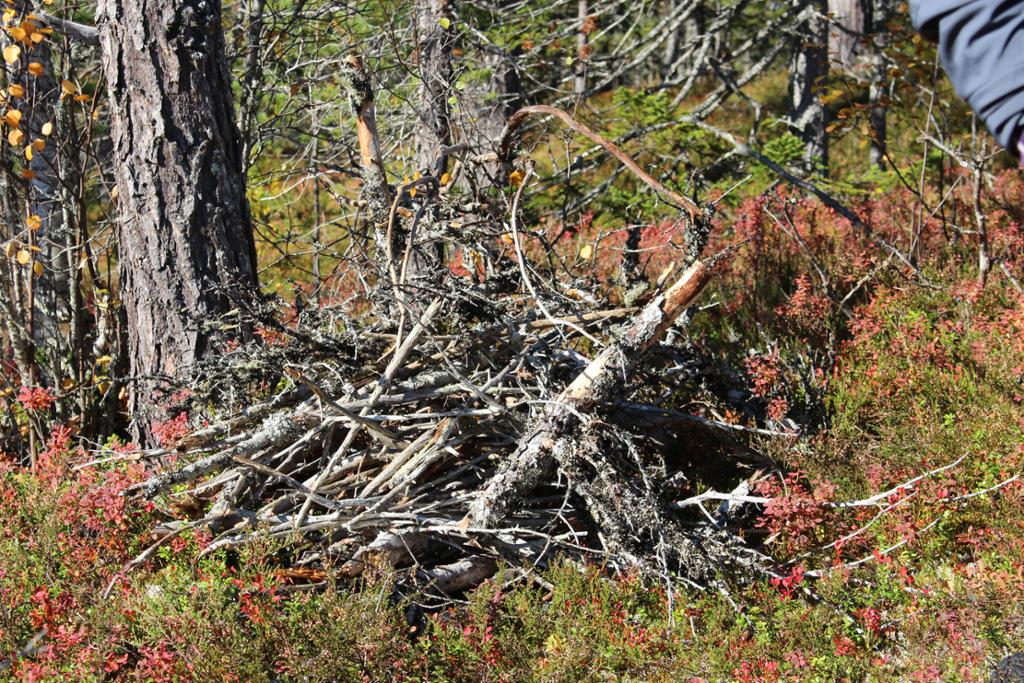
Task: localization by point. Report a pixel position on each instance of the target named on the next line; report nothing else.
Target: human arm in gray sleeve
(981, 45)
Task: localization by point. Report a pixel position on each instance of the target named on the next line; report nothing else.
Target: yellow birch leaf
(15, 137)
(39, 144)
(36, 37)
(515, 178)
(446, 178)
(11, 54)
(24, 256)
(37, 268)
(68, 88)
(16, 90)
(18, 33)
(12, 118)
(47, 128)
(9, 249)
(29, 153)
(34, 222)
(586, 252)
(36, 69)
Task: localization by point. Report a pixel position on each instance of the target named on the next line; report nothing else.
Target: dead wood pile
(461, 425)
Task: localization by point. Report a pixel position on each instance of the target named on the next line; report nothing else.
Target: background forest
(472, 340)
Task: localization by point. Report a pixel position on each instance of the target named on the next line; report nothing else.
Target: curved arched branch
(508, 140)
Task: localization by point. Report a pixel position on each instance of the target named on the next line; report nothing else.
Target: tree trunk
(880, 14)
(851, 19)
(51, 292)
(681, 55)
(185, 239)
(488, 107)
(434, 59)
(856, 39)
(434, 37)
(579, 65)
(808, 67)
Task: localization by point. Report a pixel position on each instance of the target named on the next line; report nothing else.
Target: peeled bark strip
(185, 235)
(533, 460)
(376, 192)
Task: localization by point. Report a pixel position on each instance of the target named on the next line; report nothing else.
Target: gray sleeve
(981, 45)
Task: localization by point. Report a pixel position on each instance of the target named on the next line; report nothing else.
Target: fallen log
(460, 576)
(532, 461)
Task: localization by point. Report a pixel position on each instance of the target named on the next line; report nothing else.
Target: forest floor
(928, 586)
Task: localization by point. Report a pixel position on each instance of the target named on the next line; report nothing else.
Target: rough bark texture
(185, 234)
(1009, 670)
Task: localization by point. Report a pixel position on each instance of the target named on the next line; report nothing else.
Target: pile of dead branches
(503, 440)
(460, 425)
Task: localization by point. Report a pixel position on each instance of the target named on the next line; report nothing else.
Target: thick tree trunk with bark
(185, 234)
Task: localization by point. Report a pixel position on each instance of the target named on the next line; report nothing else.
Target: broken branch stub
(358, 87)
